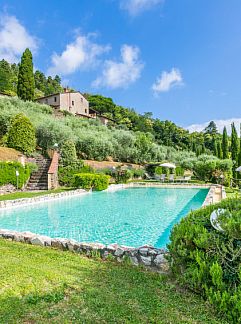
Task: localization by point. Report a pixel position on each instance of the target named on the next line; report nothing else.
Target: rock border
(43, 198)
(146, 256)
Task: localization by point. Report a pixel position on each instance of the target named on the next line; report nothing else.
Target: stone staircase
(39, 179)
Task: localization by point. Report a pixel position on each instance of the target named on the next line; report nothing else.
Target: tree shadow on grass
(106, 292)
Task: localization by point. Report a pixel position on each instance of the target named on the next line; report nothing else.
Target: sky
(180, 60)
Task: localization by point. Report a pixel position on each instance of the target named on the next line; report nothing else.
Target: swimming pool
(132, 217)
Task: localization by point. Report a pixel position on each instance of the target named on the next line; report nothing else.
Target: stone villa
(73, 102)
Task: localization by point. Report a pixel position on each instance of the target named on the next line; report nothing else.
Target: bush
(8, 173)
(91, 181)
(21, 135)
(179, 171)
(208, 261)
(68, 153)
(162, 170)
(67, 173)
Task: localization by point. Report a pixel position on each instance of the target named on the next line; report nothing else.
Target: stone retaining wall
(146, 256)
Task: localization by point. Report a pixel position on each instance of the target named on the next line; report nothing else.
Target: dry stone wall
(146, 256)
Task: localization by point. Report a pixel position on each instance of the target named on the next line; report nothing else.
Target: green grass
(43, 285)
(24, 194)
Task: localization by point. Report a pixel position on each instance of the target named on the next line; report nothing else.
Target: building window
(86, 111)
(81, 100)
(72, 102)
(55, 99)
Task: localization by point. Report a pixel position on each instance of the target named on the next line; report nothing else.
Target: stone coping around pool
(43, 198)
(147, 256)
(215, 194)
(112, 187)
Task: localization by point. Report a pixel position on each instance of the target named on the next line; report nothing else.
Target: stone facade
(146, 256)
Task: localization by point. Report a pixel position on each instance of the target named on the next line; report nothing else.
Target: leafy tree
(25, 89)
(225, 146)
(21, 134)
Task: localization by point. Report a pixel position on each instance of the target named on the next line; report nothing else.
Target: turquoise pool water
(132, 217)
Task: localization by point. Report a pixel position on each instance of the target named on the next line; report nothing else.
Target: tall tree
(25, 89)
(239, 153)
(214, 146)
(225, 147)
(219, 150)
(234, 146)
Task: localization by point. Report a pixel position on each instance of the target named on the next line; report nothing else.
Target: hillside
(93, 141)
(9, 154)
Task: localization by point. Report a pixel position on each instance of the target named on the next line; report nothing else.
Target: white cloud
(83, 53)
(220, 125)
(135, 7)
(14, 39)
(168, 80)
(121, 74)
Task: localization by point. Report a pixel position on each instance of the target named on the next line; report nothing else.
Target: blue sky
(179, 59)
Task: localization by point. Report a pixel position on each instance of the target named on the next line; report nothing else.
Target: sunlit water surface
(132, 217)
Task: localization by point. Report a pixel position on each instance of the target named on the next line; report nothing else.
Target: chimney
(66, 90)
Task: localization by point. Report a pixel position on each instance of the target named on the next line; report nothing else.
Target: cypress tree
(239, 153)
(234, 146)
(214, 145)
(225, 143)
(25, 89)
(219, 150)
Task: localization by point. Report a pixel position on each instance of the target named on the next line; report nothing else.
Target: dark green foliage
(208, 261)
(211, 129)
(67, 173)
(21, 134)
(225, 145)
(8, 77)
(47, 85)
(8, 173)
(25, 89)
(91, 181)
(219, 150)
(234, 146)
(68, 153)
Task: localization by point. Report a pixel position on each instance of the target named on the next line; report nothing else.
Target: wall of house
(74, 103)
(53, 101)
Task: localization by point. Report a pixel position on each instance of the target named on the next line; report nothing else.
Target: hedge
(66, 173)
(209, 261)
(91, 181)
(8, 173)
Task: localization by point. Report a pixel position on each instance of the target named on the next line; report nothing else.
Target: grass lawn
(24, 194)
(42, 285)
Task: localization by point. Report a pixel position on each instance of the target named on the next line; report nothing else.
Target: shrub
(161, 170)
(68, 152)
(66, 173)
(8, 173)
(21, 134)
(137, 173)
(208, 261)
(179, 171)
(91, 181)
(122, 176)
